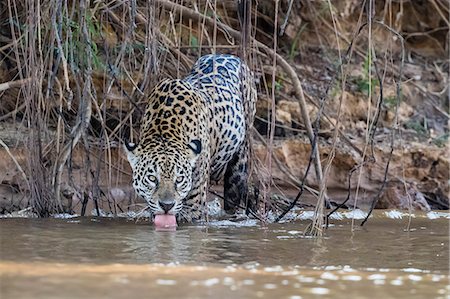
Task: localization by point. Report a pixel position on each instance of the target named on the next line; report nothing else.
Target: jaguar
(196, 131)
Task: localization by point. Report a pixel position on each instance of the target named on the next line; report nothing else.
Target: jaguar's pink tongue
(165, 222)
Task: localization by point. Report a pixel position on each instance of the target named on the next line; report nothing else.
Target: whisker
(139, 214)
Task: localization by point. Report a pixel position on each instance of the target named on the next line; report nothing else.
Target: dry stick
(11, 44)
(84, 114)
(280, 60)
(317, 224)
(178, 41)
(302, 186)
(285, 23)
(150, 59)
(127, 37)
(129, 33)
(171, 47)
(372, 132)
(84, 203)
(59, 125)
(448, 65)
(244, 17)
(84, 117)
(395, 125)
(325, 117)
(311, 157)
(374, 125)
(64, 63)
(13, 112)
(271, 128)
(319, 204)
(16, 43)
(345, 61)
(301, 98)
(117, 82)
(90, 96)
(288, 128)
(15, 162)
(11, 84)
(444, 18)
(108, 150)
(107, 144)
(349, 185)
(294, 181)
(370, 51)
(31, 51)
(339, 131)
(405, 187)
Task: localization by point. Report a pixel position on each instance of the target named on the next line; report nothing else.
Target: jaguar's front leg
(194, 207)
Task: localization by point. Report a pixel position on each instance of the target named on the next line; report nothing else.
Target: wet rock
(403, 196)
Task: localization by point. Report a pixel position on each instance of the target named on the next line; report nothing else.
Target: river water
(97, 257)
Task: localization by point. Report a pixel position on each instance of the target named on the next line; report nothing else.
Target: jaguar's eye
(179, 179)
(152, 178)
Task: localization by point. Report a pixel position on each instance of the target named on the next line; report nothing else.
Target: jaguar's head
(162, 173)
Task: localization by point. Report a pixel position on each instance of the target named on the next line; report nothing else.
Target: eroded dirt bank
(379, 80)
(418, 176)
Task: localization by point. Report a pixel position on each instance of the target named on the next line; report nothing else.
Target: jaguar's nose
(166, 206)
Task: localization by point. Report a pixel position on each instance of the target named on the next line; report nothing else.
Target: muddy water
(114, 258)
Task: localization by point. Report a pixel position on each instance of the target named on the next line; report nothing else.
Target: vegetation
(75, 75)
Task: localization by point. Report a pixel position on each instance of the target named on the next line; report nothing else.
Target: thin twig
(13, 112)
(395, 124)
(286, 19)
(12, 84)
(24, 176)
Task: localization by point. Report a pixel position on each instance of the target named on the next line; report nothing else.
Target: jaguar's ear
(131, 153)
(196, 146)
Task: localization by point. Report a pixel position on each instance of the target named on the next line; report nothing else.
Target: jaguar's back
(221, 79)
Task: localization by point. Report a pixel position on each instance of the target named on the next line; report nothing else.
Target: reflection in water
(319, 252)
(382, 243)
(89, 255)
(148, 246)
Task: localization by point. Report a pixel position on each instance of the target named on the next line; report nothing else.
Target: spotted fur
(195, 130)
